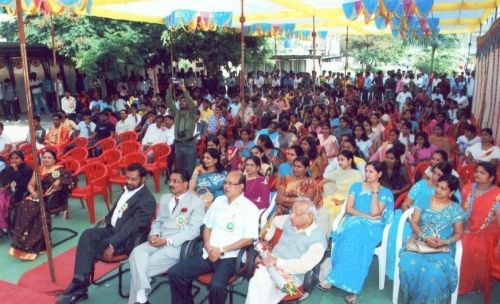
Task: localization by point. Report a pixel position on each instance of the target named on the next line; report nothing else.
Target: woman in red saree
(479, 200)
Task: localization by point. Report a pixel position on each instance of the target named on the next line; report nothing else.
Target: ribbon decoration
(307, 35)
(191, 21)
(268, 29)
(55, 7)
(407, 18)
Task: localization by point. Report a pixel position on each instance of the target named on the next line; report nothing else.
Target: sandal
(324, 286)
(350, 299)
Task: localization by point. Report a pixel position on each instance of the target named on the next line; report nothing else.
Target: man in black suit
(130, 216)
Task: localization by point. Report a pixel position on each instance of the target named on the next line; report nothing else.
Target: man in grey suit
(179, 220)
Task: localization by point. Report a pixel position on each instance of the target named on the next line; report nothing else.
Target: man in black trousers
(130, 216)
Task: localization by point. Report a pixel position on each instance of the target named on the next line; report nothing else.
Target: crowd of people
(372, 144)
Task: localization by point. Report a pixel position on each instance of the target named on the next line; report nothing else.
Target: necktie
(176, 203)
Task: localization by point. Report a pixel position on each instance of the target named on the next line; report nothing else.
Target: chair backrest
(78, 153)
(160, 150)
(106, 143)
(95, 173)
(25, 148)
(80, 142)
(135, 157)
(399, 244)
(72, 165)
(126, 136)
(420, 168)
(129, 146)
(110, 157)
(400, 200)
(46, 148)
(466, 173)
(338, 219)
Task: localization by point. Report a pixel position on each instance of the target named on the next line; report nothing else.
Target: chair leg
(83, 205)
(156, 178)
(72, 234)
(487, 289)
(91, 208)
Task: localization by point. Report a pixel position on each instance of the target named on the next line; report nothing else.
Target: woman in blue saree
(437, 221)
(369, 208)
(423, 188)
(209, 176)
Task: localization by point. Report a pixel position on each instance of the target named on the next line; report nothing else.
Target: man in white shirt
(462, 100)
(119, 104)
(154, 134)
(231, 223)
(5, 142)
(468, 139)
(130, 216)
(470, 85)
(402, 97)
(299, 249)
(133, 116)
(438, 96)
(169, 129)
(124, 124)
(86, 127)
(68, 103)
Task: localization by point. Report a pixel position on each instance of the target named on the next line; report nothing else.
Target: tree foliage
(97, 46)
(216, 49)
(373, 51)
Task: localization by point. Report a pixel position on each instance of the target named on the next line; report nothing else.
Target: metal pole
(346, 56)
(172, 59)
(242, 46)
(275, 52)
(29, 107)
(480, 28)
(314, 55)
(54, 59)
(468, 53)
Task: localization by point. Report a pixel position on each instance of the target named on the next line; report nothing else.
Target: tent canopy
(456, 16)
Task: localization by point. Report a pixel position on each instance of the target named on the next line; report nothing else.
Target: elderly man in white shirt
(155, 134)
(124, 124)
(231, 224)
(5, 142)
(300, 248)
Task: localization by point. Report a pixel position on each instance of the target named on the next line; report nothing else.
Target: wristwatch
(221, 251)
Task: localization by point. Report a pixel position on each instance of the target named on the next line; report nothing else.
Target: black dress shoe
(147, 302)
(75, 286)
(73, 298)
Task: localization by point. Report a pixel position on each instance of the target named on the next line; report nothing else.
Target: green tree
(436, 53)
(373, 51)
(97, 46)
(217, 49)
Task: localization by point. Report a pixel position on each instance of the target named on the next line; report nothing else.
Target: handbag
(414, 245)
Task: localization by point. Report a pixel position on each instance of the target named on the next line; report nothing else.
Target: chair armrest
(190, 248)
(311, 278)
(239, 260)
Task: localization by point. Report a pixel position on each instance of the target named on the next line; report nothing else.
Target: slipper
(324, 286)
(350, 299)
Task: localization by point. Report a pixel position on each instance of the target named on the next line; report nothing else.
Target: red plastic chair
(492, 266)
(25, 148)
(401, 198)
(126, 136)
(104, 144)
(161, 152)
(52, 148)
(411, 173)
(201, 147)
(420, 169)
(96, 176)
(111, 158)
(77, 142)
(116, 177)
(466, 173)
(72, 165)
(80, 154)
(129, 146)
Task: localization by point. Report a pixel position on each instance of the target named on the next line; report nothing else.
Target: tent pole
(54, 59)
(314, 55)
(468, 53)
(346, 55)
(172, 60)
(275, 52)
(29, 107)
(242, 46)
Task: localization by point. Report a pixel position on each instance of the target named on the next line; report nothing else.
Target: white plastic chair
(264, 216)
(399, 244)
(380, 251)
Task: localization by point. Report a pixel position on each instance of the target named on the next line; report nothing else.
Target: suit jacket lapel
(182, 203)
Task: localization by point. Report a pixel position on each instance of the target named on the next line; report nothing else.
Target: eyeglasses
(298, 214)
(231, 184)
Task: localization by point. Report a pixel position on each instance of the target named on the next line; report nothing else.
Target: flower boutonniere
(181, 219)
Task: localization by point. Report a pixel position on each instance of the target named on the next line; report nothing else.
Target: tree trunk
(433, 52)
